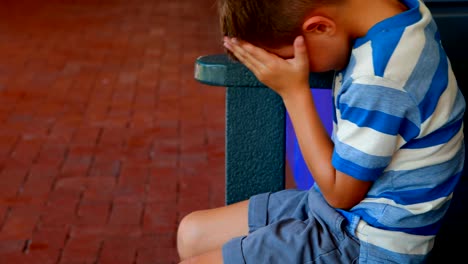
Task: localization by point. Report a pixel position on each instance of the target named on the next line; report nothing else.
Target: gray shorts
(291, 227)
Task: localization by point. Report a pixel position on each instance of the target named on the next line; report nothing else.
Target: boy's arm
(339, 189)
(289, 78)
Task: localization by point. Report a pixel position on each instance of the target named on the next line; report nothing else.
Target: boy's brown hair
(267, 23)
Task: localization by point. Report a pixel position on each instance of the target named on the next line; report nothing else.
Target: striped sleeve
(370, 130)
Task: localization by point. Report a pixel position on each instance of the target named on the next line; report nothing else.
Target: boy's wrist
(293, 95)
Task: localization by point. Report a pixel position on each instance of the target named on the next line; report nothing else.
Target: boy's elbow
(346, 192)
(344, 202)
(344, 205)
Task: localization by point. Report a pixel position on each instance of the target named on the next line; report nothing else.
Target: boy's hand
(282, 75)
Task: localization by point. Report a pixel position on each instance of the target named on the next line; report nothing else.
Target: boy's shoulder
(395, 50)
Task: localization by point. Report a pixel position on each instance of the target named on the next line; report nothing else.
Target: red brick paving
(106, 141)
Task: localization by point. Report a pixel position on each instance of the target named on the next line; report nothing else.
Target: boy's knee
(188, 235)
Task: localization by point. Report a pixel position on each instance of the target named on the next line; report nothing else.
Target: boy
(384, 180)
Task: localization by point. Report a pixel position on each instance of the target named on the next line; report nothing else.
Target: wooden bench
(256, 130)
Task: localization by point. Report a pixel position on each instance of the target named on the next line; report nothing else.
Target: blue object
(302, 176)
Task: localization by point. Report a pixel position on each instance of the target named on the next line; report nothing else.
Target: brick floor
(106, 141)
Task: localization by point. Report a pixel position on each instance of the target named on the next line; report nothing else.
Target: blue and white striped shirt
(399, 123)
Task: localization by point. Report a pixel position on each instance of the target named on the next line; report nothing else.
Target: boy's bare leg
(207, 230)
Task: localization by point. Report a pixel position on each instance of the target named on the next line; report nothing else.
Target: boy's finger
(263, 57)
(300, 51)
(243, 51)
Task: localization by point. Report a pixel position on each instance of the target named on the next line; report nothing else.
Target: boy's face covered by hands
(289, 66)
(323, 45)
(278, 73)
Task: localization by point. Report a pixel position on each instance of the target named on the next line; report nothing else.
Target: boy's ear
(318, 25)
